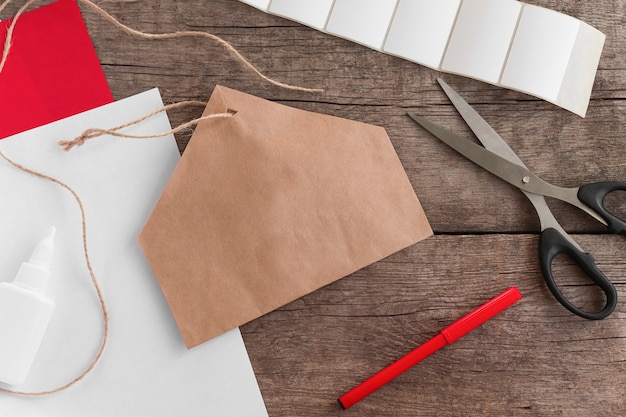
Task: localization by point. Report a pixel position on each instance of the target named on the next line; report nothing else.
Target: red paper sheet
(52, 71)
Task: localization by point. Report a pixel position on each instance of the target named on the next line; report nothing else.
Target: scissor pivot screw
(526, 180)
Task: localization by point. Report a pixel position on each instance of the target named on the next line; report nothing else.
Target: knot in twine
(95, 132)
(80, 140)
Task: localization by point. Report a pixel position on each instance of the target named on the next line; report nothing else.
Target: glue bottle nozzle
(42, 255)
(35, 273)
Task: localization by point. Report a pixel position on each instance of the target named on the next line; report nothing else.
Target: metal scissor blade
(506, 170)
(510, 172)
(493, 142)
(490, 139)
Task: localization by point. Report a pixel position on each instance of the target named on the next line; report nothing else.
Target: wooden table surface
(535, 359)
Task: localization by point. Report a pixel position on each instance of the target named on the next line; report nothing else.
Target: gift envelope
(269, 205)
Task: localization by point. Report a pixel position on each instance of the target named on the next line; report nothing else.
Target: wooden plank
(534, 359)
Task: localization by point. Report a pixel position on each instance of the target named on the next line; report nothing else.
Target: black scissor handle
(593, 196)
(552, 243)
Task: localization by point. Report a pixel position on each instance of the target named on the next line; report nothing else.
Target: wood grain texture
(536, 359)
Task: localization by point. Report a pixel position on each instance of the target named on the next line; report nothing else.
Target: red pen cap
(480, 315)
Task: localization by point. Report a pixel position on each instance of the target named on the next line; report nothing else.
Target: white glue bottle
(25, 312)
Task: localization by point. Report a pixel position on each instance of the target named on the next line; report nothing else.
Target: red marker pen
(447, 336)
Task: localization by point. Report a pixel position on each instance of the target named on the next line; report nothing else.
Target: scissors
(499, 159)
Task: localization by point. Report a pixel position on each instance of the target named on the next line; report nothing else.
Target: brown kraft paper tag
(272, 204)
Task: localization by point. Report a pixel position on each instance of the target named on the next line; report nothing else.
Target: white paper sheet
(146, 369)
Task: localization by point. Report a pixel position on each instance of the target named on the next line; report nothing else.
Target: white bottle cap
(35, 274)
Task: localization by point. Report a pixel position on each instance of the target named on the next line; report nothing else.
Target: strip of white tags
(507, 43)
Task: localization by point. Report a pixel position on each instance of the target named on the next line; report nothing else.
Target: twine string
(94, 280)
(9, 38)
(97, 132)
(115, 131)
(179, 34)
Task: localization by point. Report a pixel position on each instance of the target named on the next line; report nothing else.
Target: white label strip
(481, 37)
(311, 13)
(540, 52)
(422, 19)
(362, 21)
(506, 43)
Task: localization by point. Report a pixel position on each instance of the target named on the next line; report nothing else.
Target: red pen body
(447, 336)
